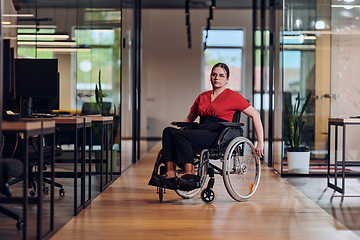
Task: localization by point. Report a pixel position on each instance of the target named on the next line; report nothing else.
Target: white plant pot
(298, 162)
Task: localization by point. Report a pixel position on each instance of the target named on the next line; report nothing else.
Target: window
(223, 46)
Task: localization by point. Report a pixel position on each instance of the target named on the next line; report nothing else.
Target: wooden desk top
(344, 120)
(99, 118)
(87, 119)
(45, 122)
(68, 120)
(21, 126)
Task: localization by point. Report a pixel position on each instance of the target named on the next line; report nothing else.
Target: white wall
(172, 72)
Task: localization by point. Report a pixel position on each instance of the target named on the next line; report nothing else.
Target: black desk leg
(336, 153)
(75, 170)
(343, 160)
(40, 187)
(83, 130)
(89, 134)
(328, 156)
(25, 184)
(52, 191)
(101, 156)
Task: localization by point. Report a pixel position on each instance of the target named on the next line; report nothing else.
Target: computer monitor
(9, 86)
(37, 85)
(8, 71)
(47, 105)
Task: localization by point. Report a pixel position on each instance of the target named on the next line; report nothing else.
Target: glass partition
(86, 39)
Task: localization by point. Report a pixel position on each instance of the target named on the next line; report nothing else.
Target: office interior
(153, 59)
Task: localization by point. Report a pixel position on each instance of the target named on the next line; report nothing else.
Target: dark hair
(223, 66)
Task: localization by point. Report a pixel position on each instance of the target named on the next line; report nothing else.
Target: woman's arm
(259, 130)
(190, 117)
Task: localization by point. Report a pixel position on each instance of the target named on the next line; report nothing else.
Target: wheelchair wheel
(241, 169)
(208, 195)
(201, 165)
(160, 169)
(161, 192)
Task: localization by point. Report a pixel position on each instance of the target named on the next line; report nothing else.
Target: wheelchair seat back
(230, 133)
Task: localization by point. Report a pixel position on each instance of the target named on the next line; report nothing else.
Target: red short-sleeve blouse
(224, 106)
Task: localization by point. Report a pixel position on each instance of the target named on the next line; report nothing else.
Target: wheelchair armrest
(185, 124)
(231, 124)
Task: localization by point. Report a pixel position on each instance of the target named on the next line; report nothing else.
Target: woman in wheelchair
(217, 105)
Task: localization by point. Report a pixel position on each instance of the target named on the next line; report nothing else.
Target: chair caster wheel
(32, 193)
(20, 224)
(62, 192)
(208, 195)
(46, 190)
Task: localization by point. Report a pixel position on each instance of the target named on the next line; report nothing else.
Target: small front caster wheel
(208, 195)
(20, 224)
(32, 193)
(161, 192)
(46, 190)
(62, 192)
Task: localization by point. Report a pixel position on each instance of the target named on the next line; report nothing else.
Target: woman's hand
(259, 150)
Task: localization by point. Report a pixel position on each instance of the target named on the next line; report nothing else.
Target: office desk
(32, 129)
(339, 122)
(74, 124)
(86, 126)
(106, 125)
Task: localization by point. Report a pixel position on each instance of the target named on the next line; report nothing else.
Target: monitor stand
(26, 107)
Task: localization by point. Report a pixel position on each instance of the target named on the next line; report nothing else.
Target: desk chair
(10, 167)
(14, 148)
(91, 108)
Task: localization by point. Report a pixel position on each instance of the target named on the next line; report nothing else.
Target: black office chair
(91, 108)
(10, 167)
(14, 148)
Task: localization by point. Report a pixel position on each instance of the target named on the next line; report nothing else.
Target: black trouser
(178, 145)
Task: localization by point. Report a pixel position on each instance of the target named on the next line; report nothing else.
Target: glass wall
(318, 56)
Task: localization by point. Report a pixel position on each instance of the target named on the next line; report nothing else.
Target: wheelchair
(240, 166)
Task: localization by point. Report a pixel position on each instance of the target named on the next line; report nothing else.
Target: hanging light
(41, 36)
(213, 4)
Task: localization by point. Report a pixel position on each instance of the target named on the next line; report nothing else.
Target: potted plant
(298, 157)
(99, 97)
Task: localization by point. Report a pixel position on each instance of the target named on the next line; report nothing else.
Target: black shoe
(171, 183)
(162, 181)
(157, 181)
(188, 182)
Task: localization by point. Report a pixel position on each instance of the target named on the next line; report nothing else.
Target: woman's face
(218, 78)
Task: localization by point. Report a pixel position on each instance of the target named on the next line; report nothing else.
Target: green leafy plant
(99, 97)
(294, 123)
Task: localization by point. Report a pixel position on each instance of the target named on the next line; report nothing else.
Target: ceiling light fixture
(63, 49)
(345, 6)
(213, 3)
(24, 36)
(18, 15)
(29, 26)
(50, 43)
(187, 21)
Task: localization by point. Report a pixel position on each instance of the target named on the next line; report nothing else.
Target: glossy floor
(130, 209)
